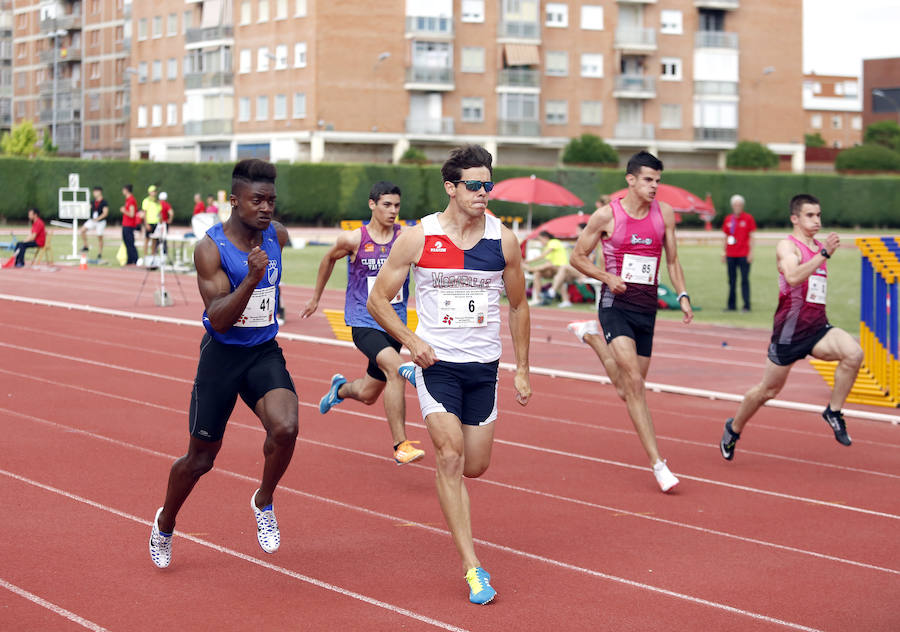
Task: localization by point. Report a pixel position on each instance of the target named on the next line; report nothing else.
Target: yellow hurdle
(342, 331)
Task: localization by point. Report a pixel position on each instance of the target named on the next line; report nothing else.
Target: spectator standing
(199, 206)
(738, 255)
(130, 221)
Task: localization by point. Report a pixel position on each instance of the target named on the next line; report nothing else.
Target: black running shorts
(226, 371)
(783, 355)
(371, 342)
(624, 322)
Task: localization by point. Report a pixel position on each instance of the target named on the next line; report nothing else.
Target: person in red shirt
(36, 238)
(199, 207)
(738, 228)
(130, 221)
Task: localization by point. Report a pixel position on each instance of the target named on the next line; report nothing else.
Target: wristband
(684, 295)
(824, 253)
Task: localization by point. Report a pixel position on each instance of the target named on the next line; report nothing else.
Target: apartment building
(6, 79)
(881, 87)
(833, 108)
(68, 72)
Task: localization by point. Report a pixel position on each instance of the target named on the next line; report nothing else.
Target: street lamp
(383, 56)
(880, 93)
(56, 35)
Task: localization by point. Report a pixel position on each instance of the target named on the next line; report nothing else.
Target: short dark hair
(466, 158)
(799, 200)
(98, 188)
(383, 187)
(643, 159)
(546, 233)
(128, 187)
(252, 170)
(582, 225)
(35, 210)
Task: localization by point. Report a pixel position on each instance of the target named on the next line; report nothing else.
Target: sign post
(74, 204)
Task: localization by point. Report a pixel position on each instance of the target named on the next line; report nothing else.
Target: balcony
(62, 85)
(634, 131)
(63, 115)
(715, 39)
(429, 126)
(208, 127)
(716, 88)
(636, 1)
(423, 26)
(429, 78)
(201, 80)
(6, 51)
(507, 127)
(519, 30)
(635, 39)
(519, 78)
(716, 134)
(634, 87)
(67, 22)
(209, 34)
(725, 5)
(66, 54)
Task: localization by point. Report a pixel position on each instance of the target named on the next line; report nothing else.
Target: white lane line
(653, 386)
(242, 556)
(67, 614)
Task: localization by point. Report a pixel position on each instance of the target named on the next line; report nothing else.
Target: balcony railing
(62, 85)
(429, 26)
(506, 127)
(519, 30)
(635, 38)
(634, 131)
(519, 78)
(68, 22)
(6, 51)
(431, 75)
(208, 127)
(429, 126)
(726, 5)
(719, 134)
(715, 39)
(71, 54)
(199, 80)
(63, 115)
(209, 34)
(716, 88)
(634, 87)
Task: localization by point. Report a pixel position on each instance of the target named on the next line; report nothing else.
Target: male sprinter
(464, 259)
(633, 231)
(238, 271)
(366, 249)
(801, 326)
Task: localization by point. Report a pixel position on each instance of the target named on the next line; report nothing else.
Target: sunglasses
(475, 185)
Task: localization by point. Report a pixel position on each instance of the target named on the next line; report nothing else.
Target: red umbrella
(679, 199)
(562, 227)
(534, 190)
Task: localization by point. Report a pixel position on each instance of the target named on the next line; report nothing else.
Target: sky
(838, 35)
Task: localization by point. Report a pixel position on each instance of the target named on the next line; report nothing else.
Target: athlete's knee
(476, 468)
(769, 391)
(855, 357)
(198, 463)
(450, 461)
(284, 431)
(630, 382)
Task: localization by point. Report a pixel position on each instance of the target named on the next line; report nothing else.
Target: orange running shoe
(406, 452)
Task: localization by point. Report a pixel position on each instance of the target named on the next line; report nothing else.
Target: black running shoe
(729, 439)
(835, 419)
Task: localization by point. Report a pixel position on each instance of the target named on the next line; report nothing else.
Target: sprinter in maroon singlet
(801, 327)
(633, 232)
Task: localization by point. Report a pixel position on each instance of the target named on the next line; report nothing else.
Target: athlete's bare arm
(224, 307)
(519, 315)
(788, 258)
(347, 244)
(673, 265)
(599, 226)
(405, 251)
(281, 232)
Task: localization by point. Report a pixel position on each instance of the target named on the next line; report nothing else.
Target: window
(671, 69)
(670, 116)
(836, 121)
(592, 112)
(557, 15)
(839, 89)
(157, 70)
(815, 121)
(851, 89)
(94, 102)
(156, 116)
(712, 20)
(120, 132)
(856, 123)
(556, 112)
(244, 109)
(245, 61)
(188, 20)
(281, 8)
(592, 17)
(591, 65)
(172, 68)
(557, 62)
(142, 116)
(280, 107)
(262, 108)
(670, 22)
(173, 25)
(95, 70)
(171, 114)
(473, 109)
(120, 34)
(120, 100)
(299, 105)
(95, 6)
(245, 12)
(281, 57)
(95, 133)
(472, 59)
(262, 14)
(93, 39)
(142, 72)
(142, 29)
(262, 59)
(157, 26)
(472, 11)
(300, 12)
(518, 107)
(300, 55)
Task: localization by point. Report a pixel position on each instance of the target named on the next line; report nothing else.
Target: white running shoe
(160, 544)
(664, 476)
(565, 304)
(267, 532)
(582, 327)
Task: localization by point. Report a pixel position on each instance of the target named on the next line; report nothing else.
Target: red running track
(797, 532)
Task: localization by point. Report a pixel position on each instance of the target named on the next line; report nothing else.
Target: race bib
(397, 299)
(462, 307)
(816, 288)
(260, 310)
(638, 269)
(730, 240)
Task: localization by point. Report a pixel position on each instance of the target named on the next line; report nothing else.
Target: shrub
(868, 158)
(813, 140)
(589, 150)
(414, 156)
(884, 133)
(752, 155)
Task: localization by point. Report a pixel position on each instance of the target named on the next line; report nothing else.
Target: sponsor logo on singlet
(635, 240)
(438, 247)
(272, 272)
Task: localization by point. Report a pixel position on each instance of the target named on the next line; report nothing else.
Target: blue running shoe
(480, 590)
(408, 371)
(331, 397)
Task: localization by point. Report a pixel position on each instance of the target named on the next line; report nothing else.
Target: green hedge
(323, 194)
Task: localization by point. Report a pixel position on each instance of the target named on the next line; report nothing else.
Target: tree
(589, 150)
(20, 141)
(751, 155)
(813, 140)
(868, 158)
(413, 156)
(47, 146)
(884, 133)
